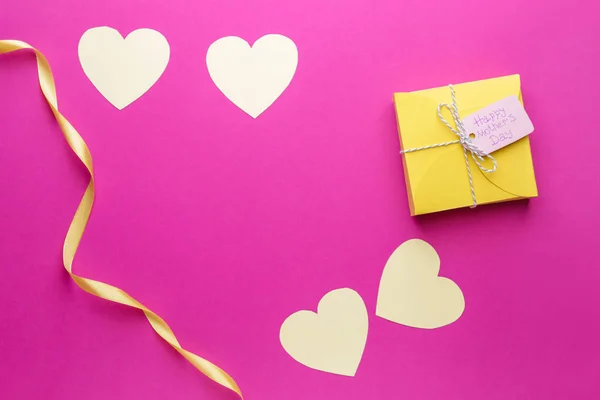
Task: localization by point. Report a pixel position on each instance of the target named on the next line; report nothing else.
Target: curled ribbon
(79, 222)
(463, 139)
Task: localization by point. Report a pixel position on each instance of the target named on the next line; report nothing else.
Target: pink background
(225, 225)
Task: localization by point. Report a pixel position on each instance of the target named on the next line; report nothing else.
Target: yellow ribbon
(79, 222)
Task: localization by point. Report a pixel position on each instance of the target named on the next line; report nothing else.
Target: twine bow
(463, 139)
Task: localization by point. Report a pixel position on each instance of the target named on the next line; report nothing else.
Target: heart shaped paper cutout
(411, 292)
(254, 77)
(123, 69)
(331, 340)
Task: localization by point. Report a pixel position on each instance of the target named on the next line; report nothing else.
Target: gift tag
(498, 125)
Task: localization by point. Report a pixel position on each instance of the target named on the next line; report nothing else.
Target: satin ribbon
(79, 222)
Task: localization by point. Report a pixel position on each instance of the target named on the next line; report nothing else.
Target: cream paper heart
(254, 77)
(123, 69)
(412, 294)
(333, 339)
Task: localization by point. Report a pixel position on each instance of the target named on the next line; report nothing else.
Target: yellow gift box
(437, 178)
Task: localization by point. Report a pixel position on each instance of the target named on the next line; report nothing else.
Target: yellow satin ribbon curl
(79, 222)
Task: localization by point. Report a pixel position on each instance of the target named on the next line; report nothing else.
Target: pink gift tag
(498, 125)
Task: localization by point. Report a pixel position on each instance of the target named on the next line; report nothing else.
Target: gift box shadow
(489, 214)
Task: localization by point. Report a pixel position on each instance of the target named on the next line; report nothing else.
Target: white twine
(463, 139)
